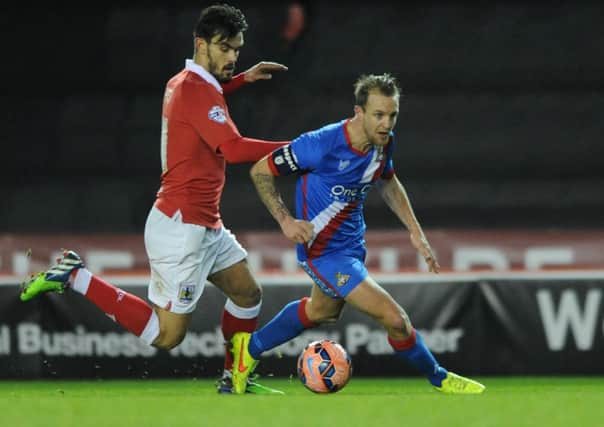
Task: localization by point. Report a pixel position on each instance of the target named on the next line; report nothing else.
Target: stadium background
(499, 146)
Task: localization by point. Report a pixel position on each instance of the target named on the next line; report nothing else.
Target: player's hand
(263, 71)
(297, 230)
(423, 247)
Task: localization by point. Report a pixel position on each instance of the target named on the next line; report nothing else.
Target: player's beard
(230, 70)
(217, 72)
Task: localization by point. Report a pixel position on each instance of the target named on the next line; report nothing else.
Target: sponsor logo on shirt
(217, 114)
(343, 164)
(343, 193)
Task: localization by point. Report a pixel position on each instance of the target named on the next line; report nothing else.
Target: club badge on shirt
(217, 114)
(185, 292)
(342, 279)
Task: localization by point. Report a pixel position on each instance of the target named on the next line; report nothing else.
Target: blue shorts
(336, 275)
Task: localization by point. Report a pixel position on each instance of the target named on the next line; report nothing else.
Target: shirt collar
(201, 72)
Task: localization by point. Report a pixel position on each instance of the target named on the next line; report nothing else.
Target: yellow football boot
(456, 384)
(243, 362)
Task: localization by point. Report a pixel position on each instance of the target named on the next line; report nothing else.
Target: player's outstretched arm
(263, 71)
(296, 230)
(260, 71)
(396, 198)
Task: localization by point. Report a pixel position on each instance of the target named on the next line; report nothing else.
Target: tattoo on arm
(270, 196)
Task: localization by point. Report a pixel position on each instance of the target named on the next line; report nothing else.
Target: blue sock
(422, 359)
(286, 325)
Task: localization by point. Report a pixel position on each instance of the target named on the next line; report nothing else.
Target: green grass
(511, 402)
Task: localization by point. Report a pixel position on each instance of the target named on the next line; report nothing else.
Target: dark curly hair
(222, 19)
(384, 83)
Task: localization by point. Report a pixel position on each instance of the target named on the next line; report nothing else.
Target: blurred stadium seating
(501, 123)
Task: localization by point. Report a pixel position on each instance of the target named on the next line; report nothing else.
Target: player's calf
(397, 324)
(172, 328)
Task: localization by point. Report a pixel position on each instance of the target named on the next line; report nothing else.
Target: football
(324, 366)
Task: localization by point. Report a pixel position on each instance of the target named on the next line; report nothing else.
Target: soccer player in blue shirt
(337, 166)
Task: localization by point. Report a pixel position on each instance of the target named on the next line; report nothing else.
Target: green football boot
(55, 279)
(225, 386)
(255, 387)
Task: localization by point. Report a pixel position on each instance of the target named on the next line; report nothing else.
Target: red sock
(236, 319)
(403, 344)
(128, 310)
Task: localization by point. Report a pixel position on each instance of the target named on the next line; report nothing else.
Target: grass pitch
(517, 402)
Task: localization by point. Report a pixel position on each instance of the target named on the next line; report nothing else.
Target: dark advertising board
(473, 324)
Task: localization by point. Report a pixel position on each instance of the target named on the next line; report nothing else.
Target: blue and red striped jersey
(334, 179)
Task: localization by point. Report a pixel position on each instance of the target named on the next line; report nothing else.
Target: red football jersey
(195, 123)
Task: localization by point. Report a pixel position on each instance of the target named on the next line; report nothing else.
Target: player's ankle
(438, 377)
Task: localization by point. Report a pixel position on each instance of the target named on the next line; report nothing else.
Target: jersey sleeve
(388, 171)
(248, 149)
(309, 149)
(303, 154)
(208, 114)
(235, 84)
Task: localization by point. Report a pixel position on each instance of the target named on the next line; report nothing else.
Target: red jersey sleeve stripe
(272, 166)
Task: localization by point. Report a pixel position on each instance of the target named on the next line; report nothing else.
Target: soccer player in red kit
(185, 239)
